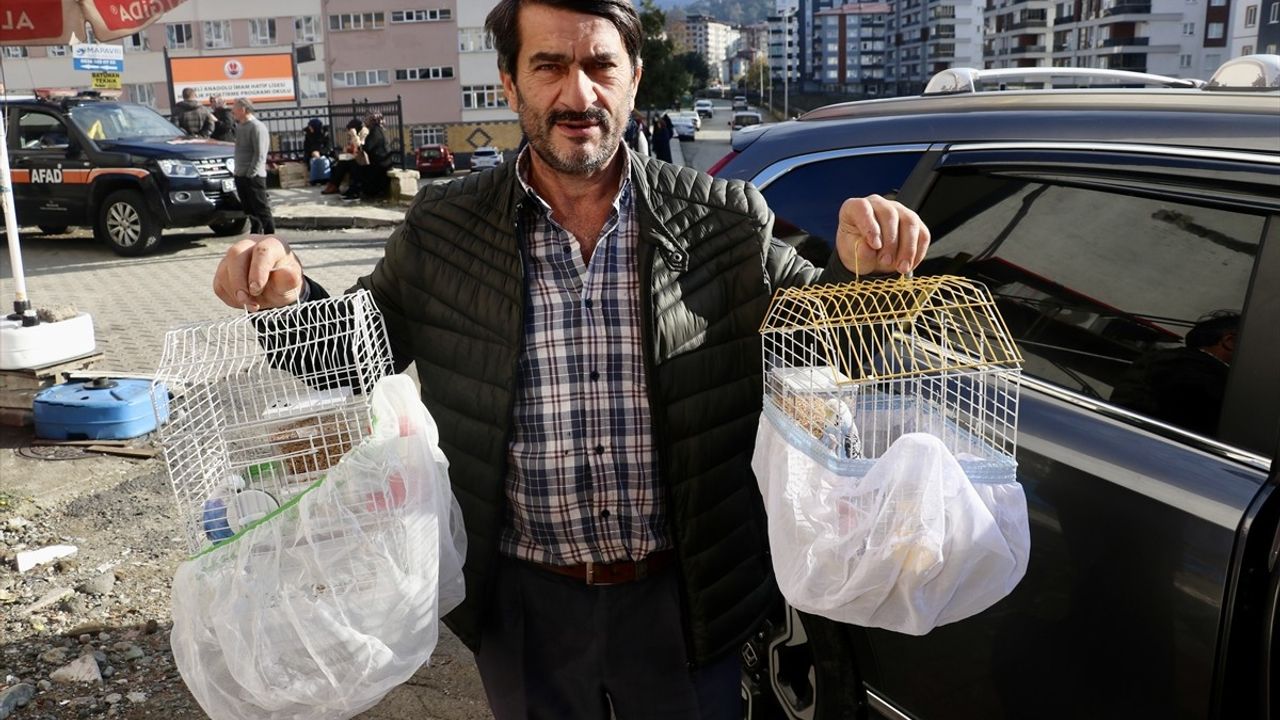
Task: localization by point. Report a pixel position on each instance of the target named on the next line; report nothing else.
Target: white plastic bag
(322, 607)
(906, 542)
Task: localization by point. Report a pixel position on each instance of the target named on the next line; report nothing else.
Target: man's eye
(545, 66)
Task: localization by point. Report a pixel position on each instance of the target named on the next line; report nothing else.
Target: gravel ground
(88, 635)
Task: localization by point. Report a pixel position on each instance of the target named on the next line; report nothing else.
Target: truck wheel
(54, 229)
(126, 224)
(227, 228)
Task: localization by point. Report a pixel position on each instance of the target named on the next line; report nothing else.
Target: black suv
(1108, 223)
(118, 167)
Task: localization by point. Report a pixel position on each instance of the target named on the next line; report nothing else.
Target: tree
(698, 70)
(665, 76)
(756, 77)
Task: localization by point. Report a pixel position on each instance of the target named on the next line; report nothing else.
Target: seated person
(1184, 386)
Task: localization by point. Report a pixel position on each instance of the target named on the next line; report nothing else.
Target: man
(192, 117)
(585, 326)
(252, 142)
(225, 129)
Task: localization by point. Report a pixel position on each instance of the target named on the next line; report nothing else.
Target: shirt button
(604, 514)
(595, 375)
(589, 303)
(599, 449)
(568, 249)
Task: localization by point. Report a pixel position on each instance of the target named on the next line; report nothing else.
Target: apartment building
(925, 37)
(713, 40)
(195, 28)
(785, 41)
(852, 39)
(486, 118)
(1255, 27)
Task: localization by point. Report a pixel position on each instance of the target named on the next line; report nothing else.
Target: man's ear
(509, 90)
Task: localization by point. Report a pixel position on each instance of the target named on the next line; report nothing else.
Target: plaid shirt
(582, 484)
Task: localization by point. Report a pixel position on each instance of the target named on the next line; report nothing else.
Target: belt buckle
(591, 573)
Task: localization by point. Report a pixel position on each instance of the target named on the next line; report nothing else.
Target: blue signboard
(97, 58)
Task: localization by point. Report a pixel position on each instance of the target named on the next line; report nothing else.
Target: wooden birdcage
(851, 368)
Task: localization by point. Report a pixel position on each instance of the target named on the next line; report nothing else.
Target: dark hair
(188, 93)
(503, 24)
(1209, 329)
(355, 124)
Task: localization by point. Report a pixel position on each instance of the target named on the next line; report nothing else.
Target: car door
(49, 168)
(1099, 259)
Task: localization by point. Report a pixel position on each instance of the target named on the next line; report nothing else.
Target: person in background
(192, 117)
(345, 168)
(662, 134)
(225, 129)
(253, 140)
(373, 180)
(585, 324)
(315, 138)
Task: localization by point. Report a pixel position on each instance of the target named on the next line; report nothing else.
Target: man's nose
(580, 93)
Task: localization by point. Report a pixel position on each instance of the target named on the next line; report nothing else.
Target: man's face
(238, 113)
(573, 89)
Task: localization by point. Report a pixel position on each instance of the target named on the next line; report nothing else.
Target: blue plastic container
(99, 409)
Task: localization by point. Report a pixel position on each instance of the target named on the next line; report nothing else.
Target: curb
(333, 223)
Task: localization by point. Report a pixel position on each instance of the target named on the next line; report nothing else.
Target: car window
(41, 131)
(806, 200)
(1111, 295)
(114, 122)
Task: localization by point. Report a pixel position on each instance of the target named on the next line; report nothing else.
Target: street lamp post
(786, 64)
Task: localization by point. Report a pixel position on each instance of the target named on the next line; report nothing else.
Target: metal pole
(21, 305)
(786, 67)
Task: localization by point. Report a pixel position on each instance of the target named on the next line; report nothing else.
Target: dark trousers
(254, 201)
(554, 648)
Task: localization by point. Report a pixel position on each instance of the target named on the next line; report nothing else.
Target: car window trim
(770, 174)
(1139, 148)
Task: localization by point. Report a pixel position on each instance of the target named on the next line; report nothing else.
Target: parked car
(705, 108)
(684, 127)
(692, 116)
(435, 160)
(739, 102)
(743, 119)
(485, 158)
(84, 160)
(1107, 223)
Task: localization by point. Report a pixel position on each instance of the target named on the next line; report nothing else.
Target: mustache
(595, 115)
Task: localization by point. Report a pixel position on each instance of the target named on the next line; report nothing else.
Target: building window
(429, 135)
(361, 78)
(474, 40)
(217, 33)
(311, 86)
(1184, 61)
(1189, 28)
(142, 94)
(1216, 30)
(1247, 50)
(475, 97)
(1272, 17)
(306, 28)
(417, 16)
(262, 31)
(178, 36)
(136, 42)
(425, 73)
(15, 51)
(356, 21)
(57, 51)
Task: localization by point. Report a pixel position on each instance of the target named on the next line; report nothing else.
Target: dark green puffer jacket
(451, 288)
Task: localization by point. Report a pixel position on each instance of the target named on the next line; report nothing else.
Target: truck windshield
(119, 121)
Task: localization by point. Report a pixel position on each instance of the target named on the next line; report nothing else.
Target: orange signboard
(261, 78)
(53, 22)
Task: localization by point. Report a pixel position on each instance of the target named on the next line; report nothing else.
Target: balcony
(1021, 24)
(1024, 49)
(1125, 42)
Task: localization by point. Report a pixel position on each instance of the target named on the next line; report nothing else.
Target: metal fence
(287, 126)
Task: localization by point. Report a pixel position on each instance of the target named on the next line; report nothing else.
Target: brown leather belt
(615, 573)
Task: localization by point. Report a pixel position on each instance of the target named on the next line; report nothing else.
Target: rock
(100, 585)
(66, 565)
(113, 698)
(152, 626)
(133, 653)
(31, 558)
(51, 598)
(137, 697)
(45, 685)
(83, 669)
(17, 523)
(83, 630)
(108, 671)
(53, 656)
(14, 698)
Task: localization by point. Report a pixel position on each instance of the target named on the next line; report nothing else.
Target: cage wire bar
(856, 366)
(263, 404)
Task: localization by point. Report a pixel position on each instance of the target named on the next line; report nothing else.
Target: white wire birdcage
(857, 366)
(263, 405)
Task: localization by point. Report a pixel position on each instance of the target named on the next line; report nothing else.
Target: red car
(435, 159)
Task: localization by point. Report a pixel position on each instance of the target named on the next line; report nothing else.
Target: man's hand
(258, 272)
(880, 236)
